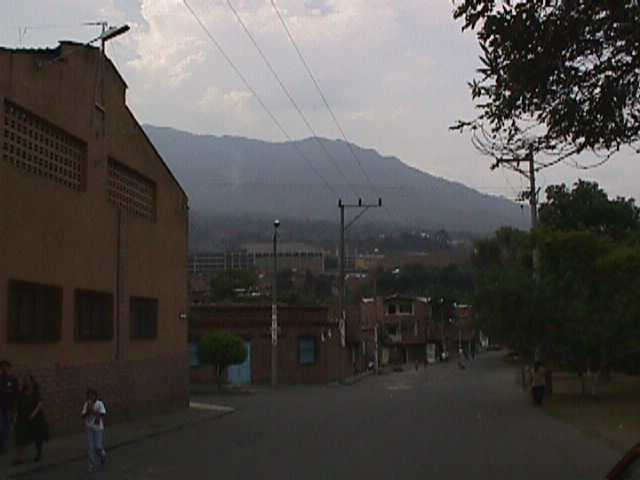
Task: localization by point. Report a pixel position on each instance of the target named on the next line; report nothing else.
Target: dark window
(307, 354)
(391, 309)
(143, 315)
(35, 312)
(94, 315)
(405, 308)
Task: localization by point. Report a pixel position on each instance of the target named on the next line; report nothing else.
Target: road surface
(442, 423)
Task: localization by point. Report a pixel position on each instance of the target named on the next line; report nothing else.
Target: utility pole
(274, 308)
(341, 257)
(341, 260)
(442, 341)
(533, 205)
(533, 194)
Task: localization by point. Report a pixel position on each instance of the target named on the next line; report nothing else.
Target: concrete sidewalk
(62, 450)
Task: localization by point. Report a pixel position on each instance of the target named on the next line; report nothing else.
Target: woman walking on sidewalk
(538, 382)
(93, 412)
(31, 425)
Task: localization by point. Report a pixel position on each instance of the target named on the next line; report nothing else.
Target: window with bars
(35, 146)
(143, 317)
(131, 191)
(94, 315)
(35, 312)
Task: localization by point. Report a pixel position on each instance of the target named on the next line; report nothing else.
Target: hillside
(234, 176)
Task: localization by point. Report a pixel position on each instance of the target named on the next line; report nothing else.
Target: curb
(217, 412)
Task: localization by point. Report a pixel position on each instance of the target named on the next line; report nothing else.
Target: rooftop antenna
(107, 33)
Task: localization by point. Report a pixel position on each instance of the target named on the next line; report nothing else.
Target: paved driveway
(443, 424)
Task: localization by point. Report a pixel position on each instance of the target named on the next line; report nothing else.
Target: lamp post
(274, 308)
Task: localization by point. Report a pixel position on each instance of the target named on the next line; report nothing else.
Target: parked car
(628, 467)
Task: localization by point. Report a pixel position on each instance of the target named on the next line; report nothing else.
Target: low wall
(128, 388)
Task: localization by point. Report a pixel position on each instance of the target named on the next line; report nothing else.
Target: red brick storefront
(252, 322)
(93, 239)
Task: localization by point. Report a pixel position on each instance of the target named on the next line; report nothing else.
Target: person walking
(8, 392)
(538, 381)
(31, 425)
(93, 412)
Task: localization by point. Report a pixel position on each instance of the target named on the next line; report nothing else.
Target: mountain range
(235, 177)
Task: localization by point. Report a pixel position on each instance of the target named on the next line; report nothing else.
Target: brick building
(291, 256)
(93, 239)
(309, 345)
(404, 327)
(209, 264)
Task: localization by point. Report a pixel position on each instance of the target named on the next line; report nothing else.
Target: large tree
(587, 207)
(583, 307)
(221, 349)
(559, 77)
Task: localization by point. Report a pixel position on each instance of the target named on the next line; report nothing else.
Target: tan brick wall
(128, 388)
(73, 239)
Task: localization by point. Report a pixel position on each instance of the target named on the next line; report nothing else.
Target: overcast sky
(394, 71)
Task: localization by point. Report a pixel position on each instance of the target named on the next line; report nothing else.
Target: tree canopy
(221, 349)
(557, 76)
(588, 207)
(582, 306)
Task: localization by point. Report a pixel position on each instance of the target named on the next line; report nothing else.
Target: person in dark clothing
(538, 381)
(31, 425)
(8, 392)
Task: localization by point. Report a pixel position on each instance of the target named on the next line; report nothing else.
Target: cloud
(234, 101)
(165, 50)
(394, 71)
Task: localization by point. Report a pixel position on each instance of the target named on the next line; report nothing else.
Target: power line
(319, 90)
(289, 96)
(325, 101)
(257, 97)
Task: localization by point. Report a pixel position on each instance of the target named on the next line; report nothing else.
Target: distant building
(371, 262)
(309, 345)
(403, 327)
(292, 256)
(93, 239)
(209, 264)
(463, 331)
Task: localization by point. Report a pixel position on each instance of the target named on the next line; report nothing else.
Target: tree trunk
(219, 375)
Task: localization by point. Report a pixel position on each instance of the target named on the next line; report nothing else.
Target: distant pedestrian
(538, 381)
(31, 424)
(93, 412)
(8, 393)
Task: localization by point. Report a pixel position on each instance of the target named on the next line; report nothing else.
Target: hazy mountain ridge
(234, 175)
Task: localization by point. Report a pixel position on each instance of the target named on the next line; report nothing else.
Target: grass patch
(613, 415)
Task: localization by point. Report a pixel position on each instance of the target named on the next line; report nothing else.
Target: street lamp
(274, 308)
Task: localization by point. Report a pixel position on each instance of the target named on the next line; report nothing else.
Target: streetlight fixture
(274, 308)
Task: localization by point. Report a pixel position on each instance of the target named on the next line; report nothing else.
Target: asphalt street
(442, 423)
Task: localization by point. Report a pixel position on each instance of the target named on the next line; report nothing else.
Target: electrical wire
(326, 102)
(253, 40)
(244, 80)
